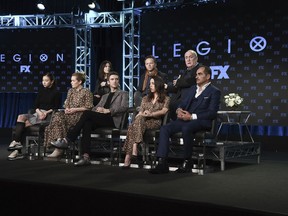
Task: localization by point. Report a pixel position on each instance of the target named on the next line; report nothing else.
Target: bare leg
(23, 119)
(128, 157)
(127, 160)
(135, 149)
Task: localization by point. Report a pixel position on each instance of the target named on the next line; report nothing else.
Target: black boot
(186, 166)
(135, 160)
(162, 167)
(19, 129)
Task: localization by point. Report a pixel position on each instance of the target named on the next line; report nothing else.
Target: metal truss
(161, 3)
(128, 19)
(104, 19)
(83, 52)
(165, 4)
(39, 20)
(81, 23)
(131, 51)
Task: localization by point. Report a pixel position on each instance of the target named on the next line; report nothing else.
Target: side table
(239, 118)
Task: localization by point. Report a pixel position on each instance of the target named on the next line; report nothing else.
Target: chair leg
(114, 139)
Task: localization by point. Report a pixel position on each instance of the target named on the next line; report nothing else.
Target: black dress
(100, 90)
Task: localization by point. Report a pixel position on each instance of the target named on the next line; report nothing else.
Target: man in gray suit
(107, 113)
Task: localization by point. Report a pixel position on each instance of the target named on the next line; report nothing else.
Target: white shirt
(198, 92)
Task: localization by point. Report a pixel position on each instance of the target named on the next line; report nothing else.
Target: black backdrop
(27, 54)
(38, 51)
(244, 43)
(222, 26)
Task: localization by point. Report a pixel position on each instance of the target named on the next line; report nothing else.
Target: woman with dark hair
(102, 86)
(78, 100)
(153, 107)
(47, 100)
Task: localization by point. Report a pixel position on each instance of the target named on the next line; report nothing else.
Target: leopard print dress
(137, 129)
(61, 122)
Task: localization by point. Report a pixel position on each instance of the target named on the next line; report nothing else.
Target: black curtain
(106, 45)
(13, 104)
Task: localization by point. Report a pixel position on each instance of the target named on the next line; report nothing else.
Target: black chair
(202, 140)
(130, 115)
(33, 138)
(149, 145)
(146, 149)
(107, 140)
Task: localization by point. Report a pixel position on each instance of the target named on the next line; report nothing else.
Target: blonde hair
(80, 76)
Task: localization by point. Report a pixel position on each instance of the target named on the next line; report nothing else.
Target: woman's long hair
(159, 88)
(101, 74)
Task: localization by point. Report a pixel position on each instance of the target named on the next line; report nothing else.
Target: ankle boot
(136, 160)
(162, 167)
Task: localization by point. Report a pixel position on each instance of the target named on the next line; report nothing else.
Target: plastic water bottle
(129, 119)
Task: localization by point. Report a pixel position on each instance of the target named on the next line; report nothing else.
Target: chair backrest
(213, 129)
(124, 120)
(165, 118)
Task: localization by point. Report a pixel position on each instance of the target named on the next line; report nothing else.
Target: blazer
(181, 89)
(206, 105)
(119, 105)
(142, 78)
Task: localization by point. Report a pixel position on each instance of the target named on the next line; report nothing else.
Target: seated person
(107, 113)
(151, 71)
(47, 100)
(195, 113)
(153, 107)
(78, 100)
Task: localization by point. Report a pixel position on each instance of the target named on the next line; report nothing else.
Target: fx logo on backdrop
(25, 69)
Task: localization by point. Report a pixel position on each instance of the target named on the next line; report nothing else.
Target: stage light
(93, 5)
(147, 3)
(41, 5)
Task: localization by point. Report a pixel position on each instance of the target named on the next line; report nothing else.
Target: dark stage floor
(48, 187)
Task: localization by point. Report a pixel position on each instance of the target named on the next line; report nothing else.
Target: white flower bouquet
(233, 100)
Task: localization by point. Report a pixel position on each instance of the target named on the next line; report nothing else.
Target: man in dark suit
(195, 113)
(181, 85)
(107, 113)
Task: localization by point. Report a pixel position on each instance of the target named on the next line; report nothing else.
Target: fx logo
(25, 69)
(220, 71)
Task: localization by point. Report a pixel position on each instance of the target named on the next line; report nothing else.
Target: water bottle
(129, 119)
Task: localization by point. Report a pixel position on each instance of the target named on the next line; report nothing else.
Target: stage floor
(244, 188)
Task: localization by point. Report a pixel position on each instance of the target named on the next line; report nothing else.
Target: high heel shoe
(125, 167)
(135, 160)
(128, 160)
(57, 153)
